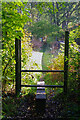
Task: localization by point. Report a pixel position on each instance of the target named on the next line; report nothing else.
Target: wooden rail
(42, 70)
(52, 86)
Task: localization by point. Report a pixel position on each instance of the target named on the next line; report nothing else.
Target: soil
(28, 110)
(57, 107)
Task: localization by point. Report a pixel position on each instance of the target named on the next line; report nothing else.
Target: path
(36, 58)
(35, 63)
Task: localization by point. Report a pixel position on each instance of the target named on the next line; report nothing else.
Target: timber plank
(40, 98)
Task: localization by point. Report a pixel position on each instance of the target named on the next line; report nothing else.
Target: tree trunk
(54, 13)
(57, 14)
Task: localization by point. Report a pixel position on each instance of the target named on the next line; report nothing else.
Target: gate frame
(18, 67)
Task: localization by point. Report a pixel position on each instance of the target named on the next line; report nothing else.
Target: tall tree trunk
(64, 22)
(54, 13)
(32, 5)
(57, 14)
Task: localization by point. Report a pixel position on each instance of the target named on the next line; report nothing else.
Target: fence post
(66, 61)
(18, 64)
(79, 76)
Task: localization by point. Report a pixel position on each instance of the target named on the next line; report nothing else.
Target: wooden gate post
(18, 64)
(66, 61)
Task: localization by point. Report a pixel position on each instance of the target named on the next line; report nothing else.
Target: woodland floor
(26, 108)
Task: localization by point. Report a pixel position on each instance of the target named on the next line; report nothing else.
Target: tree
(61, 13)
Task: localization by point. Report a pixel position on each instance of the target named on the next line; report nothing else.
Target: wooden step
(41, 91)
(40, 98)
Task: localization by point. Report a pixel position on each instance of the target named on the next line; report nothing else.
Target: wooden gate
(18, 67)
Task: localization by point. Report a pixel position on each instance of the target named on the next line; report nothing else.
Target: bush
(58, 64)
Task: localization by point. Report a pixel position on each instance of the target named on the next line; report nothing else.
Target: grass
(46, 60)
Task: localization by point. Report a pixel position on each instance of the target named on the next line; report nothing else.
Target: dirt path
(37, 58)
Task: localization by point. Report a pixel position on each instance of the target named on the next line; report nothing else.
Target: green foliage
(13, 19)
(40, 28)
(15, 16)
(44, 27)
(56, 64)
(26, 49)
(74, 58)
(9, 106)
